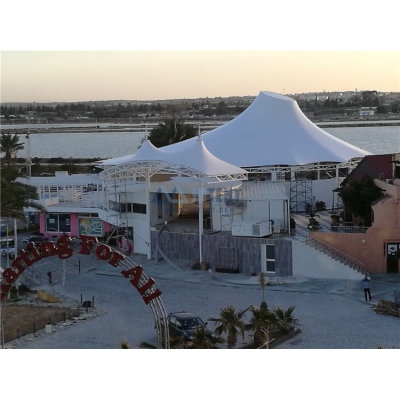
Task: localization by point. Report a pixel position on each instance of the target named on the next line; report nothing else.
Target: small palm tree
(145, 345)
(9, 145)
(263, 282)
(231, 323)
(202, 341)
(124, 344)
(261, 324)
(284, 320)
(171, 131)
(174, 343)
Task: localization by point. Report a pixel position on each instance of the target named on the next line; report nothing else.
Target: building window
(159, 205)
(270, 258)
(139, 208)
(127, 207)
(58, 223)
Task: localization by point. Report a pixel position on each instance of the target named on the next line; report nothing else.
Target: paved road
(332, 313)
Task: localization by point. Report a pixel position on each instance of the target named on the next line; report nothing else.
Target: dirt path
(29, 314)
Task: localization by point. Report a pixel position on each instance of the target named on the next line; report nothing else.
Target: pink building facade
(378, 249)
(74, 224)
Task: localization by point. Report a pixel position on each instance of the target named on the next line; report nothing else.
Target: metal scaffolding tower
(300, 195)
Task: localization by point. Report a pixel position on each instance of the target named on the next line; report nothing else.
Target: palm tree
(171, 131)
(231, 323)
(176, 342)
(261, 323)
(262, 281)
(124, 344)
(284, 320)
(15, 195)
(201, 341)
(145, 345)
(9, 144)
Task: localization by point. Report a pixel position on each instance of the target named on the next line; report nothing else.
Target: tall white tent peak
(274, 131)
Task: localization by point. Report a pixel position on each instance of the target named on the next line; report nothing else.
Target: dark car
(35, 240)
(184, 324)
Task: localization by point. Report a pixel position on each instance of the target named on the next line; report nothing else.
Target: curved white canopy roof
(193, 160)
(147, 152)
(273, 131)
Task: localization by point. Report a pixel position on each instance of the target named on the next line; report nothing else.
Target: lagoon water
(376, 140)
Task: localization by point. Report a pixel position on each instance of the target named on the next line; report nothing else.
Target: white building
(289, 162)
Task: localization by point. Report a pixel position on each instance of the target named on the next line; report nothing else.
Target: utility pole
(28, 158)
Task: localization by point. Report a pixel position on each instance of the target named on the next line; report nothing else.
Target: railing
(360, 264)
(349, 229)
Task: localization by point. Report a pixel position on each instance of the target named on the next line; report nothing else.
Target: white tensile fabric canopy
(194, 160)
(274, 131)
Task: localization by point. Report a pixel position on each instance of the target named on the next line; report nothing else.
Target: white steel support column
(200, 221)
(288, 215)
(292, 174)
(16, 251)
(148, 220)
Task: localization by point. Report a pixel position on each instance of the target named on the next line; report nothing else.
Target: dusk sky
(151, 75)
(156, 51)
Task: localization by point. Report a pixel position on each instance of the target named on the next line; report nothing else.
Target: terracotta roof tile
(382, 162)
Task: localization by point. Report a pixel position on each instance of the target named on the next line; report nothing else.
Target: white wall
(264, 210)
(256, 210)
(140, 235)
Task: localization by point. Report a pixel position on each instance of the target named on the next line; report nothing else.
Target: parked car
(35, 240)
(10, 252)
(184, 324)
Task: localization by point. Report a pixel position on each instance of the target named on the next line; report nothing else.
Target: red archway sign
(134, 273)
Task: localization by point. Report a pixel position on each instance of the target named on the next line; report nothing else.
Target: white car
(10, 251)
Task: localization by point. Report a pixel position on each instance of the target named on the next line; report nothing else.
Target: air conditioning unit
(252, 229)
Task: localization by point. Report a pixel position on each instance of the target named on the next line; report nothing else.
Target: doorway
(392, 257)
(268, 258)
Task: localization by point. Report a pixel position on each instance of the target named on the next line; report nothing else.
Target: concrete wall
(225, 251)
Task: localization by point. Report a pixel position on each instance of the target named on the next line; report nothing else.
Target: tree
(10, 145)
(358, 197)
(370, 98)
(382, 110)
(263, 282)
(284, 321)
(15, 195)
(201, 341)
(171, 131)
(221, 108)
(261, 323)
(231, 323)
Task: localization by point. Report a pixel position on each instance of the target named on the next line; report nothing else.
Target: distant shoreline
(139, 128)
(351, 125)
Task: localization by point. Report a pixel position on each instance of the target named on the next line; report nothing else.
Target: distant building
(367, 111)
